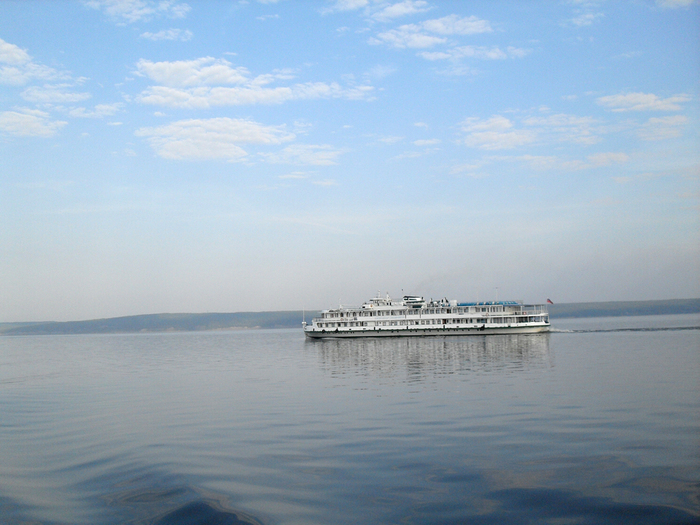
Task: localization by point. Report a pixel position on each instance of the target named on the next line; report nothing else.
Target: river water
(595, 423)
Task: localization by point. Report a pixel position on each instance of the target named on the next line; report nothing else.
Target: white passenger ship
(414, 316)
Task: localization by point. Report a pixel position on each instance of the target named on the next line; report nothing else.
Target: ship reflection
(421, 357)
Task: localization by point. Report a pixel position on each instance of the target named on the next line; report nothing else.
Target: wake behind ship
(414, 316)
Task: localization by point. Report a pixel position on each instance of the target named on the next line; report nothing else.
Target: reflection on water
(204, 513)
(153, 499)
(419, 357)
(178, 506)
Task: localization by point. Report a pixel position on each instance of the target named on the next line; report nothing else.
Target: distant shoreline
(152, 323)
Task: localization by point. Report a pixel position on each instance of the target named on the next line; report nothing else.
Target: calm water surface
(595, 423)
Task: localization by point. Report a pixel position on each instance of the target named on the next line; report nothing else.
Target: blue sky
(163, 156)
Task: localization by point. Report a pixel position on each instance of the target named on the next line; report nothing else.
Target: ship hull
(348, 333)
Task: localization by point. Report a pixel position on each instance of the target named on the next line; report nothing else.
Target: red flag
(549, 301)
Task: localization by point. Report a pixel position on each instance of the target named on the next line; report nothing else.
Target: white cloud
(188, 84)
(348, 5)
(426, 142)
(436, 32)
(51, 185)
(13, 55)
(407, 7)
(499, 132)
(540, 162)
(495, 133)
(53, 94)
(517, 52)
(308, 154)
(495, 123)
(469, 169)
(379, 72)
(597, 160)
(567, 128)
(18, 76)
(642, 102)
(630, 54)
(586, 19)
(99, 111)
(623, 180)
(495, 140)
(139, 10)
(198, 72)
(206, 97)
(216, 138)
(605, 159)
(390, 139)
(17, 67)
(456, 25)
(423, 35)
(409, 155)
(169, 34)
(674, 4)
(407, 36)
(662, 128)
(479, 52)
(29, 123)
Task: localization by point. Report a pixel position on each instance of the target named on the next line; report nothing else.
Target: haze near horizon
(163, 156)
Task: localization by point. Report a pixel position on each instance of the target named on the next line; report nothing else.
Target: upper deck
(412, 306)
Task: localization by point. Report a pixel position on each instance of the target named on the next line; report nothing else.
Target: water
(595, 423)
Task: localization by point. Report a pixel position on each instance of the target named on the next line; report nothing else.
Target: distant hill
(161, 323)
(625, 308)
(292, 319)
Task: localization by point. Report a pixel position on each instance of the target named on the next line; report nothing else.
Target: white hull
(421, 332)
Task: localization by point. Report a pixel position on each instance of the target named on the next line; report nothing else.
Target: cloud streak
(206, 139)
(431, 32)
(17, 67)
(169, 34)
(29, 123)
(207, 82)
(306, 154)
(131, 11)
(642, 102)
(495, 133)
(407, 7)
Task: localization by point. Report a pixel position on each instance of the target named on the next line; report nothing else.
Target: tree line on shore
(291, 319)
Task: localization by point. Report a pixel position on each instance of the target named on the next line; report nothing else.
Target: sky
(223, 156)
